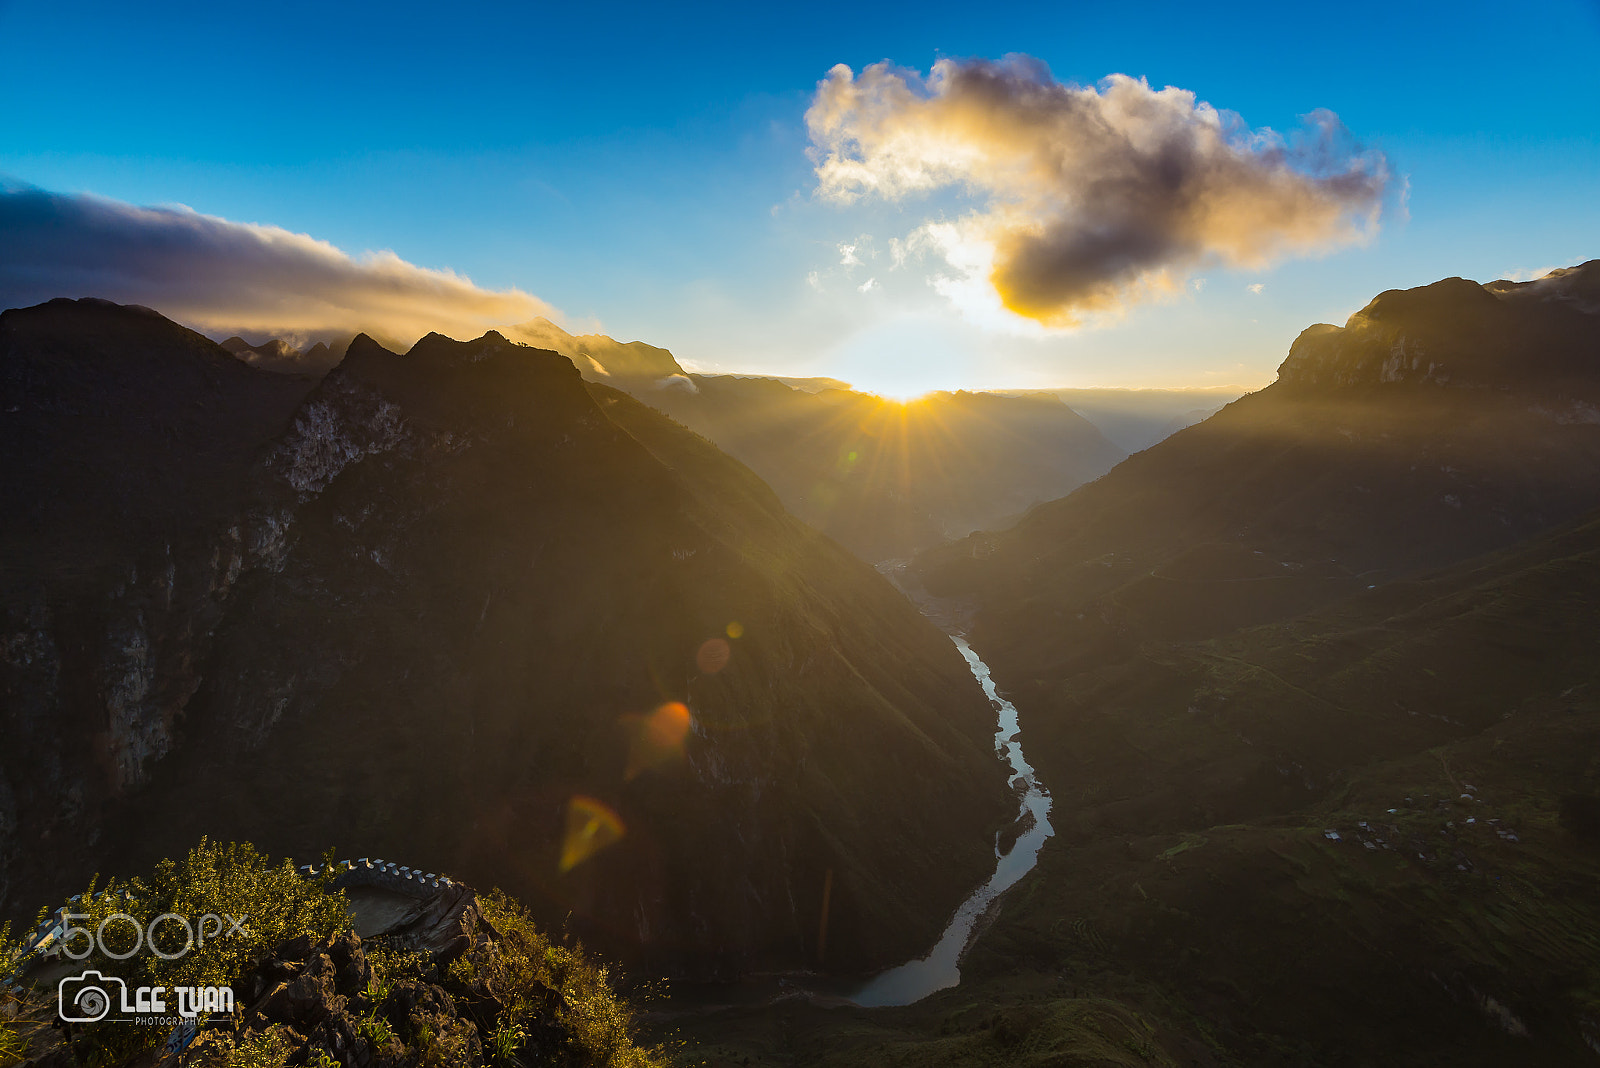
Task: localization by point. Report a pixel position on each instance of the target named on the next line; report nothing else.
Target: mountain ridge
(1313, 488)
(451, 571)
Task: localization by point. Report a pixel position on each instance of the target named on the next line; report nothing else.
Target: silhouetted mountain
(280, 357)
(1135, 419)
(121, 428)
(1439, 423)
(597, 357)
(439, 606)
(806, 385)
(884, 478)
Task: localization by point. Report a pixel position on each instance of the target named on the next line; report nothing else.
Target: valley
(1332, 812)
(1307, 689)
(890, 536)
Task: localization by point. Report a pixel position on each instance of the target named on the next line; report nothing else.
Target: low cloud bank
(224, 277)
(1089, 198)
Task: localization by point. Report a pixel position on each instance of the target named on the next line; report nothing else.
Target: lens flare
(735, 630)
(713, 656)
(657, 738)
(591, 826)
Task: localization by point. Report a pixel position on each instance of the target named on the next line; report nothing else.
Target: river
(941, 968)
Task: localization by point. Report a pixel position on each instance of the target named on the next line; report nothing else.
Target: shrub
(273, 901)
(526, 962)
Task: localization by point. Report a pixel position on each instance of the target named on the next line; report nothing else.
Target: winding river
(941, 968)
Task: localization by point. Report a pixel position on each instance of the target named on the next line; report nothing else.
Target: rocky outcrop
(1526, 337)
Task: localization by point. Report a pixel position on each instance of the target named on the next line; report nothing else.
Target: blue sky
(643, 169)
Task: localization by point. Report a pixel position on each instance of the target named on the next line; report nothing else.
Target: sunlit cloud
(224, 277)
(1087, 199)
(1256, 287)
(1526, 274)
(869, 285)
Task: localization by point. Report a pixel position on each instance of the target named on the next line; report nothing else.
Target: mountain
(1437, 424)
(280, 357)
(1368, 835)
(598, 357)
(1135, 419)
(98, 402)
(1314, 686)
(1365, 835)
(884, 478)
(458, 607)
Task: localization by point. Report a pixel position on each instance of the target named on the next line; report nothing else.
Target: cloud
(869, 285)
(1256, 287)
(1087, 198)
(1525, 274)
(225, 277)
(847, 256)
(897, 253)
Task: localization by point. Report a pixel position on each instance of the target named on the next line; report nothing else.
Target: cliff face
(428, 609)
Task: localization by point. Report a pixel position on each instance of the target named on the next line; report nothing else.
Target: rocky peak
(1540, 338)
(123, 391)
(598, 357)
(486, 382)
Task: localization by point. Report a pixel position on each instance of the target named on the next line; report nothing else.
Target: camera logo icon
(87, 998)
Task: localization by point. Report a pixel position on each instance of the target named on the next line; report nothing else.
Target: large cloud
(1088, 197)
(225, 277)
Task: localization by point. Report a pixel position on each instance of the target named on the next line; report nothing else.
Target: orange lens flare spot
(736, 630)
(658, 737)
(713, 656)
(591, 826)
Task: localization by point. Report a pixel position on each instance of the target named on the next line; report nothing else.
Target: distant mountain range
(440, 605)
(883, 479)
(1135, 419)
(280, 357)
(887, 479)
